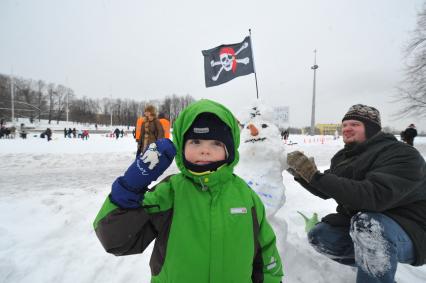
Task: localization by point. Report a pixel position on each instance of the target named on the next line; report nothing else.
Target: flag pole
(254, 68)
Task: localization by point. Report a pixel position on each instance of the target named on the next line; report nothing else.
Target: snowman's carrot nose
(253, 130)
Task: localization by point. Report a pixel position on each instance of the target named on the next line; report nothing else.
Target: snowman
(262, 157)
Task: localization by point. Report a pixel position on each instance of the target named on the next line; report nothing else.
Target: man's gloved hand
(301, 166)
(129, 189)
(293, 172)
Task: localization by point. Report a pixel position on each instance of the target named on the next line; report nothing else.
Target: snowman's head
(259, 127)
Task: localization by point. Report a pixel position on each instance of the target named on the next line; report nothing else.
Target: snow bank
(50, 193)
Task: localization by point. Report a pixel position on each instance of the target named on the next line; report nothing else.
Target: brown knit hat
(368, 115)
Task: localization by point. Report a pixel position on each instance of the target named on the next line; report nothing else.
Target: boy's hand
(128, 190)
(300, 165)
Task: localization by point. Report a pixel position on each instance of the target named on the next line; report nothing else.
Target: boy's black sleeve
(126, 232)
(130, 231)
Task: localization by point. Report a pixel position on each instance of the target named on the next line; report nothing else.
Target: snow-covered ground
(50, 193)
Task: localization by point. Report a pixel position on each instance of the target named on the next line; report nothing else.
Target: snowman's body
(263, 158)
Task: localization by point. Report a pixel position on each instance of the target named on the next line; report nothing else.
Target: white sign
(281, 114)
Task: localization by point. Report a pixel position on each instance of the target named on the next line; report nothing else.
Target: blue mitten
(128, 190)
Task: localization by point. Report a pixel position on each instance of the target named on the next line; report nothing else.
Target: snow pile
(50, 193)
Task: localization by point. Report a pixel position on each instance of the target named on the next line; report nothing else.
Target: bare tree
(61, 102)
(172, 106)
(84, 110)
(41, 100)
(129, 112)
(165, 107)
(413, 90)
(51, 94)
(4, 96)
(35, 98)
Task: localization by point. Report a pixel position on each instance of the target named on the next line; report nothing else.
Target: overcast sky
(149, 49)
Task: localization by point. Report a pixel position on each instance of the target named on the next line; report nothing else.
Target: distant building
(329, 129)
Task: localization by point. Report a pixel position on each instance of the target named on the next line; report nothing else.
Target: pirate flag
(228, 61)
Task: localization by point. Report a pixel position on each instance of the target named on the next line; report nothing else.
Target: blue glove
(128, 190)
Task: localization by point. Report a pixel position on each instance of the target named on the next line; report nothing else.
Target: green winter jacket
(207, 228)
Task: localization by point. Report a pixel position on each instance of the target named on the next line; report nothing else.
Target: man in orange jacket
(148, 129)
(165, 123)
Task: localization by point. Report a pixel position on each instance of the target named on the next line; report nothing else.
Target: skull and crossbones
(228, 60)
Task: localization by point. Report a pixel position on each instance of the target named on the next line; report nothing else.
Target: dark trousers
(374, 244)
(409, 141)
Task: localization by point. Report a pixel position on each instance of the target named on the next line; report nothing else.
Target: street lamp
(12, 89)
(110, 110)
(314, 67)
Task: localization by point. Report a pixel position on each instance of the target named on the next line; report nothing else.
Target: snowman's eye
(264, 126)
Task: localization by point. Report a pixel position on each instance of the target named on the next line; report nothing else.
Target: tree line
(36, 100)
(412, 91)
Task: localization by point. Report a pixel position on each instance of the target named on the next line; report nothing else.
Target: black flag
(228, 61)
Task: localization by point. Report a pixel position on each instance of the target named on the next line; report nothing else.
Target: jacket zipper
(203, 187)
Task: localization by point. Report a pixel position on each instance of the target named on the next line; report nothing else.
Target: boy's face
(202, 152)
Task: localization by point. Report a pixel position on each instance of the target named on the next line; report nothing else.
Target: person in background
(409, 134)
(138, 128)
(165, 123)
(379, 185)
(85, 135)
(48, 134)
(65, 132)
(207, 223)
(117, 133)
(23, 134)
(287, 134)
(336, 134)
(150, 129)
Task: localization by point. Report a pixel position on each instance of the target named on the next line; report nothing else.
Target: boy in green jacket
(208, 225)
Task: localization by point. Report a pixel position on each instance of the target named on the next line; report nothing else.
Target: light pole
(68, 109)
(110, 109)
(12, 90)
(68, 94)
(314, 67)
